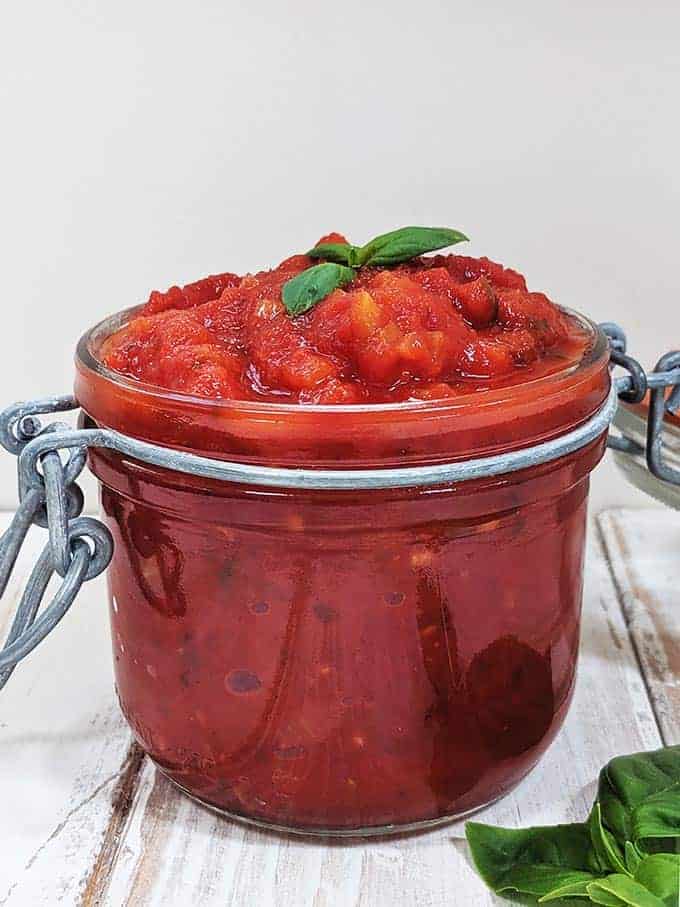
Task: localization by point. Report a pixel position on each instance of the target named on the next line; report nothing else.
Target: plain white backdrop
(151, 143)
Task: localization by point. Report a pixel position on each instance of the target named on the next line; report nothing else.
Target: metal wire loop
(76, 457)
(28, 629)
(673, 401)
(639, 388)
(615, 334)
(74, 505)
(98, 539)
(50, 459)
(658, 408)
(79, 548)
(318, 479)
(19, 423)
(91, 548)
(13, 537)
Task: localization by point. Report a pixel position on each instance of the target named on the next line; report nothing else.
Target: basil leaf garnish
(627, 853)
(658, 816)
(304, 290)
(622, 891)
(339, 252)
(609, 856)
(389, 248)
(531, 861)
(628, 781)
(660, 874)
(406, 243)
(313, 285)
(633, 857)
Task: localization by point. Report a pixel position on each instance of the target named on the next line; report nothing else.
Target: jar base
(371, 831)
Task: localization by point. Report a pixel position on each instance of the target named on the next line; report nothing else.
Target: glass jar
(346, 661)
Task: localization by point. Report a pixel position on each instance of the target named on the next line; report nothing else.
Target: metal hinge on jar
(51, 457)
(633, 388)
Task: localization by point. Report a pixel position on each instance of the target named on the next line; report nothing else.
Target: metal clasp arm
(633, 388)
(79, 548)
(658, 407)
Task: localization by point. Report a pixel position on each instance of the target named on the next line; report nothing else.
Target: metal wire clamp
(51, 458)
(633, 388)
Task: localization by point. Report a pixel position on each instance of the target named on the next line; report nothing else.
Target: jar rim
(488, 420)
(91, 340)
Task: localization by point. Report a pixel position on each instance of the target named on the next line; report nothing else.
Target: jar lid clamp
(80, 548)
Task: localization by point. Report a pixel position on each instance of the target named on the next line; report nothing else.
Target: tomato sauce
(432, 328)
(353, 660)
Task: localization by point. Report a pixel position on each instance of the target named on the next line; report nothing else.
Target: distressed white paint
(644, 550)
(63, 745)
(176, 853)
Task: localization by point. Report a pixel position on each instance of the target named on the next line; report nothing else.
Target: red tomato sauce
(360, 659)
(429, 329)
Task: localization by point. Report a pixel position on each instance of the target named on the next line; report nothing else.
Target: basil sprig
(304, 290)
(342, 260)
(627, 853)
(389, 248)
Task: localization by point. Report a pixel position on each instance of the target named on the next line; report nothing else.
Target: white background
(145, 144)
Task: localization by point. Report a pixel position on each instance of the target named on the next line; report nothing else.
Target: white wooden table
(84, 818)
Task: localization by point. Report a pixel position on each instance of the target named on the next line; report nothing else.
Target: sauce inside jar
(346, 660)
(431, 328)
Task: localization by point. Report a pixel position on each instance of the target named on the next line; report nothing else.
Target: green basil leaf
(341, 253)
(304, 290)
(406, 243)
(564, 893)
(622, 891)
(601, 896)
(658, 816)
(633, 857)
(660, 874)
(606, 848)
(628, 781)
(533, 861)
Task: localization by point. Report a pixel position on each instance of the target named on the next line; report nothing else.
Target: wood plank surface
(175, 852)
(643, 548)
(91, 822)
(63, 748)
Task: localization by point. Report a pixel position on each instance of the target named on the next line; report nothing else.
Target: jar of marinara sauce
(342, 658)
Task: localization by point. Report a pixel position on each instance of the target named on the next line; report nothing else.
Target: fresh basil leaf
(633, 857)
(341, 253)
(532, 861)
(660, 874)
(304, 290)
(628, 781)
(538, 883)
(622, 891)
(566, 892)
(602, 896)
(406, 243)
(606, 848)
(658, 816)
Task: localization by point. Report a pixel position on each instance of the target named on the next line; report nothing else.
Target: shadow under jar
(346, 661)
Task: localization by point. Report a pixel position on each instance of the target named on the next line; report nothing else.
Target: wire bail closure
(51, 458)
(634, 387)
(79, 548)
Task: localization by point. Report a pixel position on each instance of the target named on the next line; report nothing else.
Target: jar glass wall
(355, 660)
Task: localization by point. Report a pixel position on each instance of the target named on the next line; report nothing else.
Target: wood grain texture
(174, 852)
(90, 822)
(63, 744)
(643, 547)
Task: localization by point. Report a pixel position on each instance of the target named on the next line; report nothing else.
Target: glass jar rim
(92, 339)
(484, 422)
